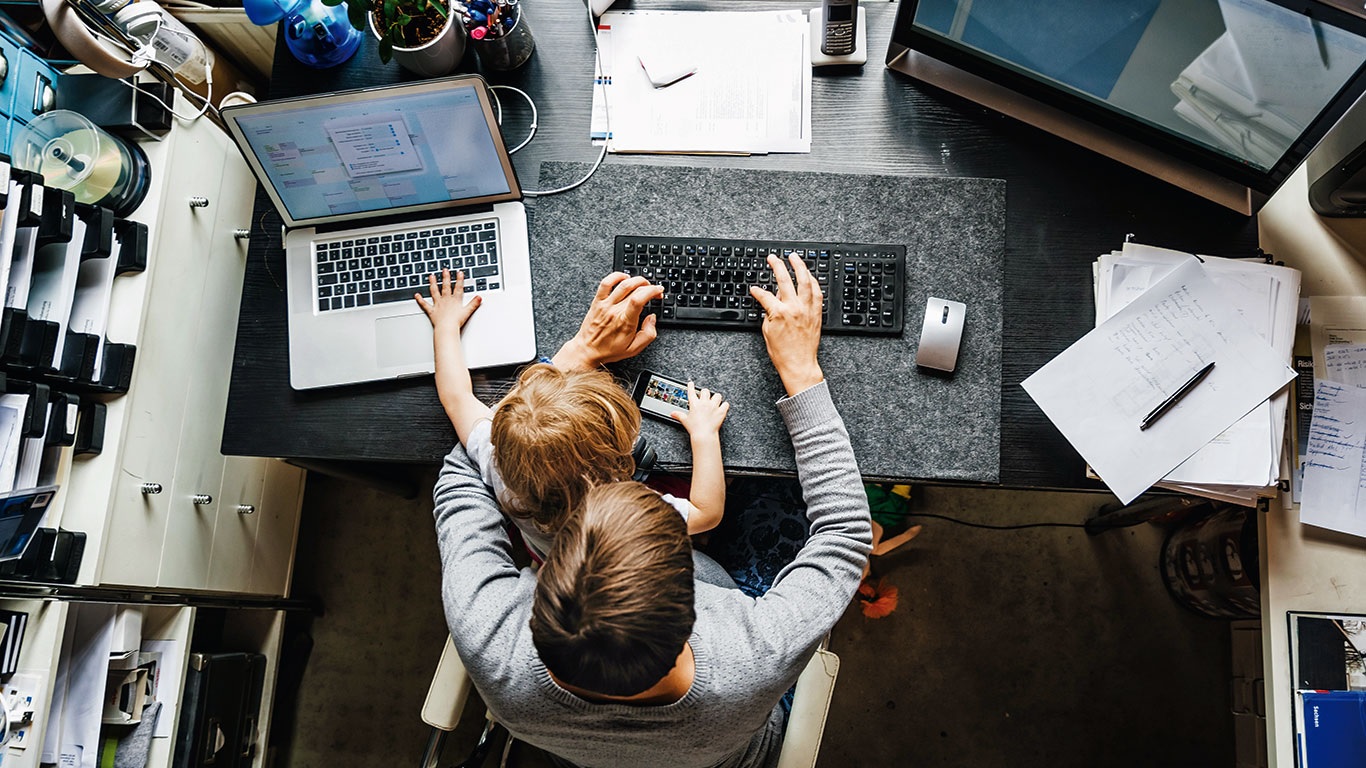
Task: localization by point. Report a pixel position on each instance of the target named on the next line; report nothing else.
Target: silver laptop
(379, 188)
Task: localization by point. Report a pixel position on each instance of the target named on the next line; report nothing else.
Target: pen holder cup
(508, 50)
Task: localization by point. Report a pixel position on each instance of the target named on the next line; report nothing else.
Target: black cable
(1018, 527)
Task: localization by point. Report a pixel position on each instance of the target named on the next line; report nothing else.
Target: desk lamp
(318, 35)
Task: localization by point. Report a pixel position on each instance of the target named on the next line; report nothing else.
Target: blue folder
(1332, 730)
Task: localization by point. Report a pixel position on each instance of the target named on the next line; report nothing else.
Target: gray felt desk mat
(903, 423)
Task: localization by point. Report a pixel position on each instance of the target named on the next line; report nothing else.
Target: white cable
(607, 118)
(144, 56)
(531, 134)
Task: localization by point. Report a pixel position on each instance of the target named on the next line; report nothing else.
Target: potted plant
(421, 35)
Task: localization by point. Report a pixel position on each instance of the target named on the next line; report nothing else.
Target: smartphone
(658, 396)
(837, 33)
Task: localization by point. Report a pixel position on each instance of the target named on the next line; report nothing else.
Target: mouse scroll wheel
(945, 319)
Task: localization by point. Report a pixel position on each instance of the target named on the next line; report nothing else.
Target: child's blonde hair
(558, 434)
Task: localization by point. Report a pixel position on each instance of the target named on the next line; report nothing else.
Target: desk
(1065, 206)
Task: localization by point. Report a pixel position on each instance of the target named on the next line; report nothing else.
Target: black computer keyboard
(360, 271)
(706, 281)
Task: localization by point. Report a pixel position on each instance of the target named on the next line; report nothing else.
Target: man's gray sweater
(747, 652)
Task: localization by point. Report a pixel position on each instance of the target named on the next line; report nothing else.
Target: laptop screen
(350, 155)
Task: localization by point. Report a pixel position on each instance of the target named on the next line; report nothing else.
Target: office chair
(451, 685)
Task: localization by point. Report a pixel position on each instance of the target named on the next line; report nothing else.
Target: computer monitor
(1224, 98)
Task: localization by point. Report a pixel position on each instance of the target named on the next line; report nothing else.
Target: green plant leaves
(356, 11)
(386, 50)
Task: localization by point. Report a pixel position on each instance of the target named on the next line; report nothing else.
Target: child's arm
(706, 411)
(448, 312)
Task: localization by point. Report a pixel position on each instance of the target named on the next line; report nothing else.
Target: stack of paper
(749, 91)
(1162, 316)
(1333, 460)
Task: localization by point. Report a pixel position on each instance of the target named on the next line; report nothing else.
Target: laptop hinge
(402, 218)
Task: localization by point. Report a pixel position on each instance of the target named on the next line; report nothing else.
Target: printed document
(1099, 389)
(750, 92)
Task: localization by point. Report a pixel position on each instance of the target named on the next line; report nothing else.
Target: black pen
(1166, 405)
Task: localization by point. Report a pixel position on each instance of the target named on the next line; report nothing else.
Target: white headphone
(81, 43)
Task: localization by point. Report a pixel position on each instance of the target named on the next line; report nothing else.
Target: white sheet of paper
(1335, 470)
(1345, 364)
(751, 93)
(1099, 389)
(172, 658)
(12, 407)
(83, 706)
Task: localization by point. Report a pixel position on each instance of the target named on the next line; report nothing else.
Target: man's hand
(447, 308)
(612, 329)
(792, 324)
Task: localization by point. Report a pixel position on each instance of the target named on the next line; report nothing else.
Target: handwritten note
(1335, 467)
(1345, 364)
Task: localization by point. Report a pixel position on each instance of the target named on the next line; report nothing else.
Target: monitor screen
(389, 151)
(1241, 87)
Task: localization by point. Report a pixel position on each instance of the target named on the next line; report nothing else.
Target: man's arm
(812, 591)
(480, 584)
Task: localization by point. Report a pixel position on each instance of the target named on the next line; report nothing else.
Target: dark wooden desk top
(1065, 206)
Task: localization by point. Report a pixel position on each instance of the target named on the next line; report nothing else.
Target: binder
(1331, 728)
(63, 418)
(18, 239)
(93, 284)
(218, 713)
(90, 428)
(52, 288)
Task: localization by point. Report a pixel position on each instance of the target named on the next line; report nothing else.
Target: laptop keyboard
(706, 281)
(381, 269)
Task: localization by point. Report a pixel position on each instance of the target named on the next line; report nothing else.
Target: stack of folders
(1162, 318)
(12, 625)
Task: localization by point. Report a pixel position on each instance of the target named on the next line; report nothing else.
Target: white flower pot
(435, 58)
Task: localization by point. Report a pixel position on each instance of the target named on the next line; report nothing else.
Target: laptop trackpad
(403, 340)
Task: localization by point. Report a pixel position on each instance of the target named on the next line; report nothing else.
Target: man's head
(559, 433)
(614, 600)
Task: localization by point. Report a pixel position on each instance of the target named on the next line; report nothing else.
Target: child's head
(614, 599)
(559, 433)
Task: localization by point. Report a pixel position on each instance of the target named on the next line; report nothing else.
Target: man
(633, 650)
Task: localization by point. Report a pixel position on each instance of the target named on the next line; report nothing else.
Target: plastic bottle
(171, 42)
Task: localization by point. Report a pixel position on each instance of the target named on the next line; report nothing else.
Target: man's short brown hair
(559, 433)
(614, 599)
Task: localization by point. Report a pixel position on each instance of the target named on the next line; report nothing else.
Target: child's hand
(706, 411)
(447, 306)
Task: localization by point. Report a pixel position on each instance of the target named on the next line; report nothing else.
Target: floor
(1040, 647)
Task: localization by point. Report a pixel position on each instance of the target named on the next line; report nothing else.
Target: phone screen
(662, 397)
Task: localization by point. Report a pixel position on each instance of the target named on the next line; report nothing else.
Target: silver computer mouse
(941, 334)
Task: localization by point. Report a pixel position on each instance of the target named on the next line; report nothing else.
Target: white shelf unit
(166, 431)
(258, 631)
(181, 314)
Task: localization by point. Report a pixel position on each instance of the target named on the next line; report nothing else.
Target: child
(557, 434)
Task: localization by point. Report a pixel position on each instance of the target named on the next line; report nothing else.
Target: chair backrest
(451, 685)
(449, 689)
(810, 706)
